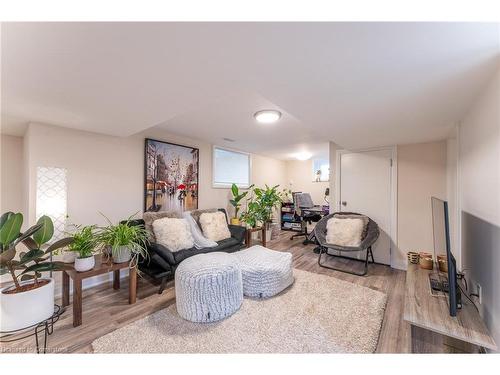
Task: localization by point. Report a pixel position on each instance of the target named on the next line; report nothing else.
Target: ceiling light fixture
(304, 155)
(267, 116)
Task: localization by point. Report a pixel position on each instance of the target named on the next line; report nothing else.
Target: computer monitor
(442, 243)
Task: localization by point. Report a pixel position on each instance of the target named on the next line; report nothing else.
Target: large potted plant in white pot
(124, 241)
(84, 245)
(30, 299)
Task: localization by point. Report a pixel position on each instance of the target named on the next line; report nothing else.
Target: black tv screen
(442, 244)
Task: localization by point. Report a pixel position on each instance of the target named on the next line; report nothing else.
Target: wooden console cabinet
(433, 330)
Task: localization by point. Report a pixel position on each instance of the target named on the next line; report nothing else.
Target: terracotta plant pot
(84, 264)
(21, 310)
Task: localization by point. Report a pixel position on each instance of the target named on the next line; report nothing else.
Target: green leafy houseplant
(236, 201)
(268, 199)
(32, 263)
(123, 238)
(84, 241)
(252, 216)
(261, 204)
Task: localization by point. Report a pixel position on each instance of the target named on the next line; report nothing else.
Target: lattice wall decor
(51, 197)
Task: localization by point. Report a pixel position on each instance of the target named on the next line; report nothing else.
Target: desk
(433, 330)
(102, 266)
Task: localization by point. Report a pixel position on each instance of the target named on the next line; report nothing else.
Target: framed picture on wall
(171, 176)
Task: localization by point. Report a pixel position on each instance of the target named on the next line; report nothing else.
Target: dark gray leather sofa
(162, 263)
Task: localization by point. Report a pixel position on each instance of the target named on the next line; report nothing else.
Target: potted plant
(268, 199)
(235, 202)
(125, 242)
(252, 216)
(260, 207)
(30, 299)
(84, 245)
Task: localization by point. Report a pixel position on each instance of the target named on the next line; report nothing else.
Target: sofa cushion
(174, 234)
(149, 217)
(342, 215)
(345, 231)
(195, 214)
(200, 241)
(227, 245)
(214, 226)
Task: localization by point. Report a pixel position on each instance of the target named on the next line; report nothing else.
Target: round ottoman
(208, 287)
(265, 272)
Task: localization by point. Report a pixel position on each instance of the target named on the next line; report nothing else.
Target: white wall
(11, 176)
(422, 174)
(106, 174)
(332, 149)
(452, 195)
(479, 196)
(299, 176)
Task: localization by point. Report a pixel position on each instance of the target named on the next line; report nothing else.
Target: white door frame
(394, 193)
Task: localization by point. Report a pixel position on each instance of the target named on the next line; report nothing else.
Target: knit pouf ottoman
(265, 272)
(208, 287)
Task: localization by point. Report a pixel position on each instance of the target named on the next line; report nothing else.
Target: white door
(365, 187)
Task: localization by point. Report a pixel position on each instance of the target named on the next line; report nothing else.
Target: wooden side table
(249, 232)
(102, 266)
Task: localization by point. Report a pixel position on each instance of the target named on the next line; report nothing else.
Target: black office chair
(301, 202)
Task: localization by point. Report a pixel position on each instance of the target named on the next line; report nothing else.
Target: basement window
(321, 170)
(230, 167)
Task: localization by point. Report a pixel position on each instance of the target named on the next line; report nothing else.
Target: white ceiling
(357, 84)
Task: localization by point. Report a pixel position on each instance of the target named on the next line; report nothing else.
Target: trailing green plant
(84, 241)
(237, 198)
(134, 237)
(32, 263)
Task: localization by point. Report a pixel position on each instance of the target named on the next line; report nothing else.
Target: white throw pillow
(345, 232)
(200, 242)
(214, 226)
(172, 233)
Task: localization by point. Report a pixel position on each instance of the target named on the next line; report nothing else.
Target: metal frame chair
(372, 234)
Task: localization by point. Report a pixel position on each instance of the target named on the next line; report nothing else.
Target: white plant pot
(21, 310)
(122, 254)
(69, 257)
(84, 264)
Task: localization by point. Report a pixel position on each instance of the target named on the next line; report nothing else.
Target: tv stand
(433, 330)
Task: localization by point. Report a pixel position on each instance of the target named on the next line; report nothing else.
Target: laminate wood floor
(105, 309)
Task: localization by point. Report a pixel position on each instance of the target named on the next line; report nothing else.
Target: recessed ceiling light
(228, 139)
(267, 116)
(304, 155)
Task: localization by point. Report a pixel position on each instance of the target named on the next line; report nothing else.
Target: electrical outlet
(480, 293)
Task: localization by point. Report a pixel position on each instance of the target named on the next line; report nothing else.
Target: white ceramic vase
(122, 254)
(21, 310)
(69, 257)
(84, 264)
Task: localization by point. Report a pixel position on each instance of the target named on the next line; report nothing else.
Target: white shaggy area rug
(317, 314)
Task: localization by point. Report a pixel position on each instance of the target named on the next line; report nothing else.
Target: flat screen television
(441, 233)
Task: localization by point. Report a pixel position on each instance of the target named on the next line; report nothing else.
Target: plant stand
(46, 327)
(249, 232)
(102, 266)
